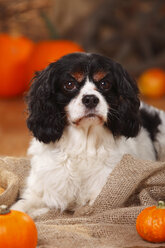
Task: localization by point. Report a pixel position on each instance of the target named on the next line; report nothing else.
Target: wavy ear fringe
(127, 120)
(45, 118)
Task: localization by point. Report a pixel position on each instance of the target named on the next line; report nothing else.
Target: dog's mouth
(89, 117)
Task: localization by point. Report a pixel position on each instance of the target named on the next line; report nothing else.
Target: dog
(85, 114)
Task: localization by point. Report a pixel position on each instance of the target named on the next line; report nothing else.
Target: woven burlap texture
(110, 222)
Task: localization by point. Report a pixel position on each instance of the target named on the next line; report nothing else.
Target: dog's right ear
(45, 120)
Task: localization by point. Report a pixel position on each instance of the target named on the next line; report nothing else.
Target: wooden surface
(14, 135)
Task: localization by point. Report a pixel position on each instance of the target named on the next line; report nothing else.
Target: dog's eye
(104, 85)
(69, 86)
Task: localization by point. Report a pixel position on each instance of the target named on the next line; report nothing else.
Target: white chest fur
(74, 169)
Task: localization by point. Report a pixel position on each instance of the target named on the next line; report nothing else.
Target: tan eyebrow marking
(79, 76)
(99, 75)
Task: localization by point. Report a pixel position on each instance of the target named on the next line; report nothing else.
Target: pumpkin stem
(4, 209)
(161, 205)
(51, 29)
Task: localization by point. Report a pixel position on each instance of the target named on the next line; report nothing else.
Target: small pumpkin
(14, 51)
(49, 51)
(17, 229)
(150, 223)
(152, 83)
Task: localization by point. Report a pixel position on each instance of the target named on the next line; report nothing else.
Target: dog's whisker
(113, 110)
(113, 115)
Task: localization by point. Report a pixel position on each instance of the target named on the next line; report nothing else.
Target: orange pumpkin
(14, 52)
(150, 223)
(46, 52)
(17, 229)
(152, 83)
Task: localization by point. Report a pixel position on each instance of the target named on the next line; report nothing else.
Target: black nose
(90, 101)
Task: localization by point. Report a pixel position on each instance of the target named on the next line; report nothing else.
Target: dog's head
(83, 90)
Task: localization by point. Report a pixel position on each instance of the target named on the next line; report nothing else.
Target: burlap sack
(110, 222)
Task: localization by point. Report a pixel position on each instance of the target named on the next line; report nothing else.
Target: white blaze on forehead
(88, 88)
(77, 110)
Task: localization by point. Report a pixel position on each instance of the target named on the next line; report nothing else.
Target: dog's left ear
(127, 121)
(45, 120)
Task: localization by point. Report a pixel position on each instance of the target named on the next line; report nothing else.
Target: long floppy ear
(127, 120)
(45, 120)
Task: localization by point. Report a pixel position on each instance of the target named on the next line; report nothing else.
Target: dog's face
(88, 106)
(83, 90)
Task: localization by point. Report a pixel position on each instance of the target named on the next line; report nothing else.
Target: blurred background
(131, 32)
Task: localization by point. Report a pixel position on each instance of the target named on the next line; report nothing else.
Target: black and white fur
(85, 114)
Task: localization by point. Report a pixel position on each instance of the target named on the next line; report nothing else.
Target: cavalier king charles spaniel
(85, 114)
